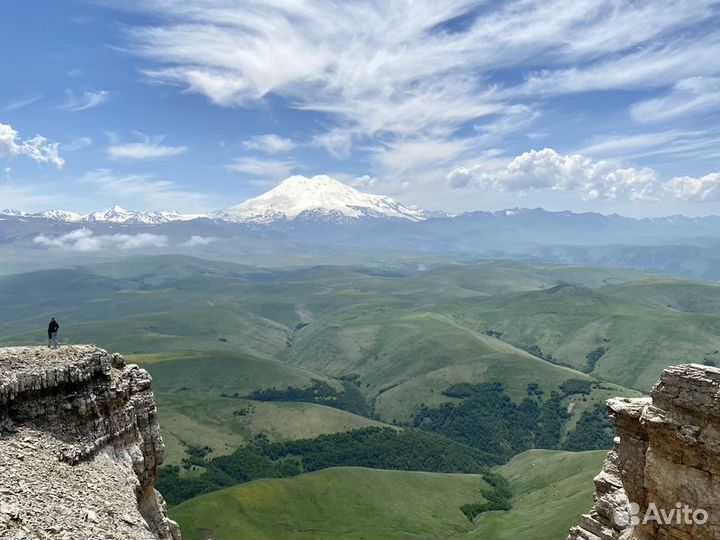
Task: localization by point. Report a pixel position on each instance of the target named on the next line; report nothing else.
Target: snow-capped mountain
(60, 215)
(115, 214)
(319, 198)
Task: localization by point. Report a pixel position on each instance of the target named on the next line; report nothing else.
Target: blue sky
(609, 106)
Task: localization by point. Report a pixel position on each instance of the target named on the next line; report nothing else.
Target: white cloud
(688, 188)
(270, 144)
(37, 147)
(385, 66)
(87, 100)
(692, 145)
(592, 179)
(401, 157)
(148, 148)
(623, 144)
(548, 170)
(76, 144)
(9, 146)
(22, 103)
(271, 169)
(85, 240)
(689, 96)
(338, 142)
(390, 76)
(148, 190)
(654, 66)
(195, 240)
(393, 80)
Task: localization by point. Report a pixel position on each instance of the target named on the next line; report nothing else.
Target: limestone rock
(666, 457)
(80, 447)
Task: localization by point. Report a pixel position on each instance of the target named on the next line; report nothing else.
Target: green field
(550, 490)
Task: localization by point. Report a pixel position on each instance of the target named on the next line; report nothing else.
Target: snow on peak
(319, 195)
(60, 215)
(117, 214)
(321, 198)
(113, 215)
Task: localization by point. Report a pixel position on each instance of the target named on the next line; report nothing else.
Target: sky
(195, 105)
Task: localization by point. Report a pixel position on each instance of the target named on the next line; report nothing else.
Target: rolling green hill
(406, 358)
(675, 294)
(570, 322)
(224, 424)
(398, 344)
(343, 502)
(404, 336)
(550, 490)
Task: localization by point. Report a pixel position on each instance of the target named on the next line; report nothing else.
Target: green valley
(321, 385)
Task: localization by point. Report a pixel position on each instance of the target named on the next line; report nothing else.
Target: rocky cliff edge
(662, 478)
(80, 447)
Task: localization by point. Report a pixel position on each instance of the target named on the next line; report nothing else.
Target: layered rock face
(80, 446)
(662, 478)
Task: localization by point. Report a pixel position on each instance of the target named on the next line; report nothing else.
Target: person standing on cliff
(53, 328)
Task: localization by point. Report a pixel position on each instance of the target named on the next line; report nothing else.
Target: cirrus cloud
(401, 72)
(688, 96)
(86, 100)
(270, 144)
(147, 189)
(147, 148)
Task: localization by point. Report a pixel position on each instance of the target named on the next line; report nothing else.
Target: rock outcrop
(662, 478)
(80, 447)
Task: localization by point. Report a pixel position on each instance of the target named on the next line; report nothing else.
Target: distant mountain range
(319, 199)
(320, 218)
(114, 214)
(323, 199)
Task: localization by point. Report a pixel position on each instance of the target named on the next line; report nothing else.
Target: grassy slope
(569, 322)
(404, 336)
(675, 294)
(344, 502)
(192, 410)
(202, 420)
(551, 489)
(409, 357)
(222, 372)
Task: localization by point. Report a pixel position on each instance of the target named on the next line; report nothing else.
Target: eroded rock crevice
(80, 447)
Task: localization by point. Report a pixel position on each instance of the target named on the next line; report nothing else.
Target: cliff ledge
(662, 478)
(80, 445)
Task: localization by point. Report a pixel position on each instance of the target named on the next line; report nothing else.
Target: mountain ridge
(323, 199)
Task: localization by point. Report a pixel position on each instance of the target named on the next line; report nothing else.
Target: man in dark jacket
(53, 328)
